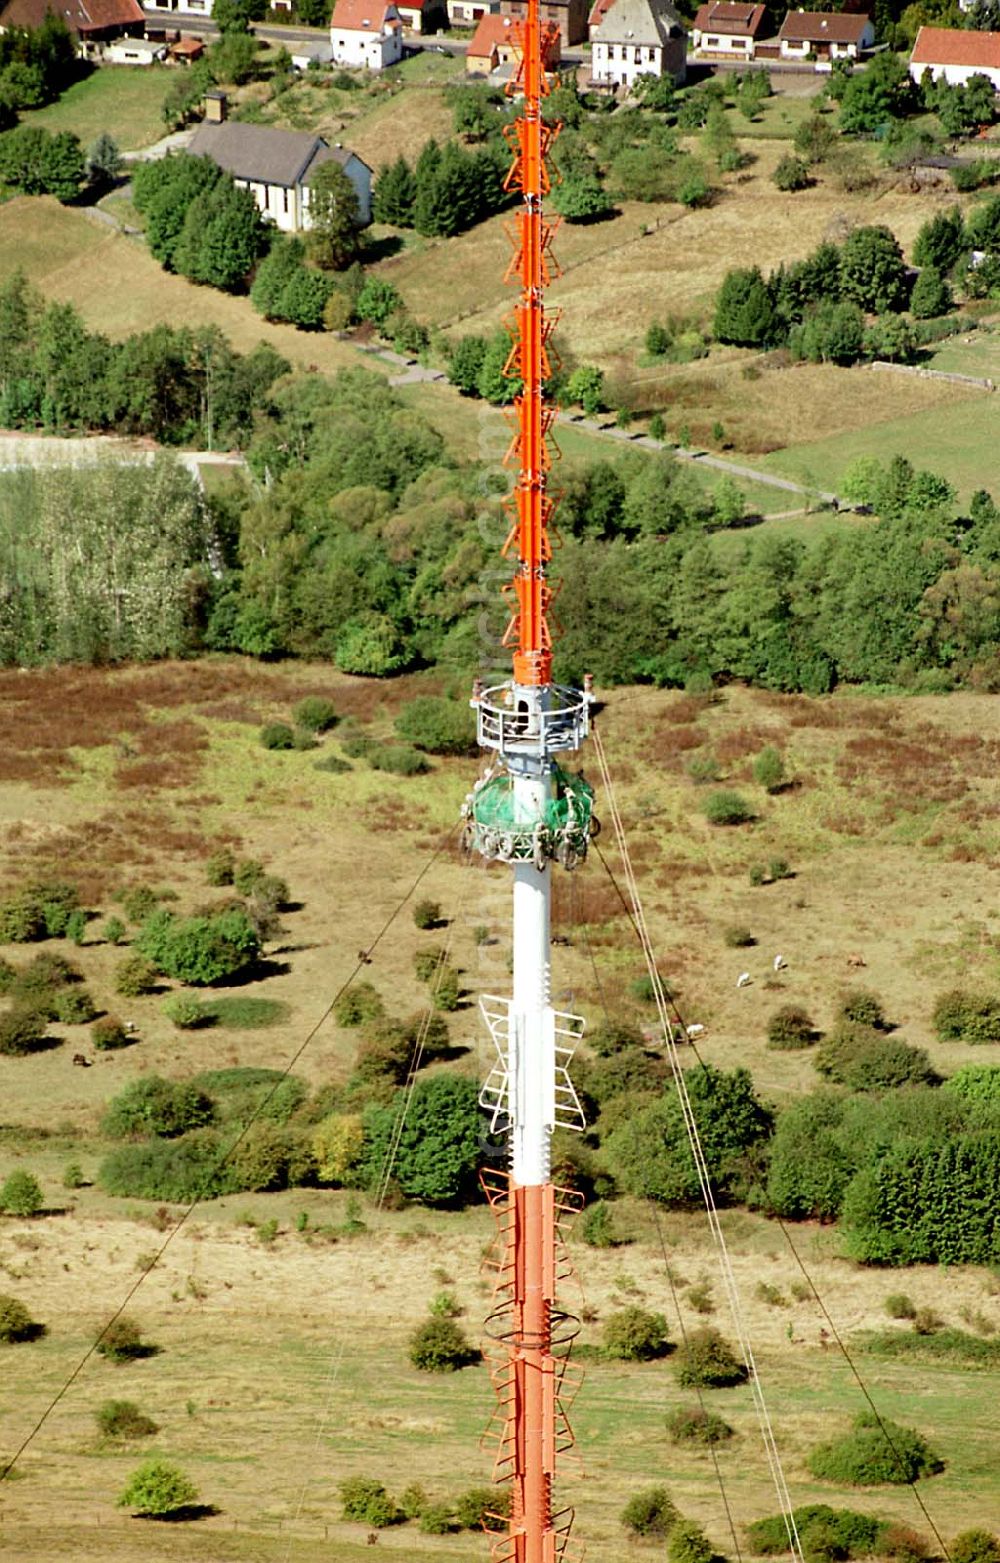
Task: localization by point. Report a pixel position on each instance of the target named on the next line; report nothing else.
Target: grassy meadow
(281, 1336)
(124, 100)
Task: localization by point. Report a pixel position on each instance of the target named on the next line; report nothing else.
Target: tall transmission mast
(529, 812)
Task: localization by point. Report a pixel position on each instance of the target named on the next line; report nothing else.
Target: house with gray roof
(638, 38)
(277, 165)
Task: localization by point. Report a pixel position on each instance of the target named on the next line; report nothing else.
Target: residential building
(597, 13)
(421, 16)
(366, 33)
(955, 55)
(638, 38)
(724, 30)
(569, 15)
(93, 23)
(277, 165)
(493, 44)
(824, 35)
(463, 13)
(181, 7)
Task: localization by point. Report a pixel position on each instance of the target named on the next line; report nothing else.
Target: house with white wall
(638, 38)
(824, 35)
(723, 30)
(276, 167)
(366, 34)
(954, 55)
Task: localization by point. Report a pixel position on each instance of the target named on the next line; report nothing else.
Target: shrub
(757, 874)
(689, 1544)
(427, 962)
(445, 1305)
(436, 1519)
(123, 1419)
(634, 1335)
(277, 735)
(446, 991)
(738, 938)
(135, 976)
(183, 1169)
(200, 950)
(398, 760)
(611, 1035)
(790, 1027)
(872, 1454)
(707, 1361)
(121, 1341)
(863, 1008)
(440, 1346)
(438, 726)
(961, 1016)
(475, 1507)
(21, 1194)
(427, 914)
(220, 868)
(152, 1105)
(413, 1501)
(852, 1534)
(792, 173)
(315, 714)
(367, 1501)
(157, 1490)
(769, 769)
(140, 902)
(778, 868)
(899, 1306)
(691, 1425)
(858, 1057)
(185, 1012)
(727, 808)
(22, 1030)
(72, 1177)
(247, 875)
(333, 765)
(108, 1034)
(927, 1322)
(597, 1226)
(975, 1546)
(16, 1323)
(73, 1007)
(113, 931)
(650, 1513)
(903, 1545)
(359, 1005)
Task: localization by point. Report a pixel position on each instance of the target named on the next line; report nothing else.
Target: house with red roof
(93, 23)
(598, 11)
(824, 35)
(420, 16)
(493, 44)
(570, 16)
(727, 30)
(366, 33)
(953, 55)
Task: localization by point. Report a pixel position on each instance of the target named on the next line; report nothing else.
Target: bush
(135, 976)
(476, 1506)
(152, 1105)
(398, 760)
(16, 1323)
(22, 1030)
(899, 1306)
(611, 1035)
(277, 735)
(650, 1513)
(769, 769)
(862, 1008)
(824, 1533)
(903, 1545)
(73, 1007)
(863, 1060)
(689, 1544)
(872, 1454)
(247, 875)
(438, 726)
(427, 962)
(634, 1335)
(139, 903)
(427, 914)
(333, 765)
(200, 950)
(113, 931)
(757, 874)
(792, 173)
(358, 1006)
(790, 1027)
(108, 1034)
(158, 1490)
(691, 1425)
(123, 1419)
(440, 1346)
(121, 1341)
(183, 1169)
(707, 1361)
(975, 1546)
(436, 1519)
(447, 990)
(738, 938)
(597, 1226)
(368, 1502)
(220, 868)
(727, 808)
(185, 1012)
(315, 714)
(778, 868)
(21, 1194)
(961, 1016)
(72, 1177)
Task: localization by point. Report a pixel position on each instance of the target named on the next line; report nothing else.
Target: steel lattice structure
(531, 813)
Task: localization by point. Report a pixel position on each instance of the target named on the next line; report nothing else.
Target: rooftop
(648, 23)
(81, 16)
(725, 17)
(824, 26)
(262, 154)
(955, 46)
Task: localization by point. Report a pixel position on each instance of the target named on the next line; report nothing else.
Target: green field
(124, 100)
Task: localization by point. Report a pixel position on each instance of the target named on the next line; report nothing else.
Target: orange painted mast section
(531, 138)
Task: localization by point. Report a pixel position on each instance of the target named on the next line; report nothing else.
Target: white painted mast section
(532, 1029)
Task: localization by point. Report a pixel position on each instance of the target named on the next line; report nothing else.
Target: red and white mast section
(530, 813)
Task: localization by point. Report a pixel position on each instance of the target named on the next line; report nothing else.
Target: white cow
(743, 980)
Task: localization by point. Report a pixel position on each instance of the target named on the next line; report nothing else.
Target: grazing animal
(856, 960)
(743, 980)
(83, 1062)
(779, 963)
(694, 1031)
(130, 1026)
